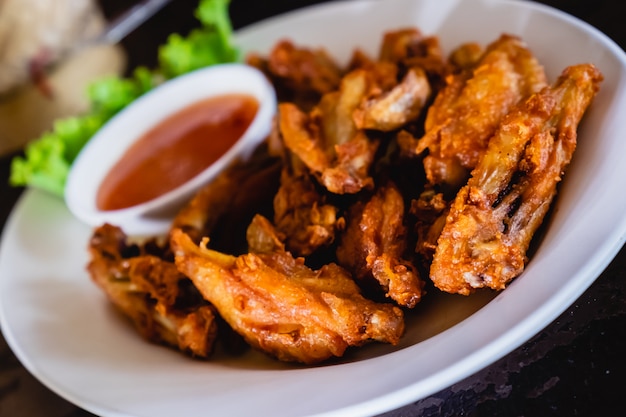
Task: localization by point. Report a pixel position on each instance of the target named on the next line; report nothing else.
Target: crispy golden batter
(493, 218)
(225, 206)
(372, 95)
(161, 302)
(410, 48)
(304, 68)
(302, 214)
(467, 111)
(430, 210)
(397, 45)
(282, 307)
(374, 244)
(331, 140)
(466, 56)
(393, 109)
(341, 165)
(301, 75)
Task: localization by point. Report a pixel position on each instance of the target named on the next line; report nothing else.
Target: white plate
(63, 330)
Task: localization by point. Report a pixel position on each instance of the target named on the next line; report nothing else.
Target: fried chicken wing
(468, 109)
(393, 109)
(301, 75)
(327, 140)
(161, 302)
(410, 48)
(306, 68)
(351, 171)
(303, 215)
(282, 307)
(331, 140)
(493, 218)
(374, 244)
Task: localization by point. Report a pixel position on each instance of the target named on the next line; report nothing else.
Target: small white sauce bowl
(111, 142)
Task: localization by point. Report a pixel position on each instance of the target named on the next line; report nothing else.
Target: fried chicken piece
(405, 55)
(374, 245)
(302, 214)
(227, 204)
(305, 68)
(327, 141)
(493, 218)
(161, 302)
(282, 307)
(374, 95)
(430, 209)
(469, 108)
(395, 108)
(299, 74)
(331, 140)
(334, 111)
(353, 160)
(397, 44)
(466, 56)
(410, 48)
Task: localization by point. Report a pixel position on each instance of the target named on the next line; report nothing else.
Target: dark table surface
(576, 366)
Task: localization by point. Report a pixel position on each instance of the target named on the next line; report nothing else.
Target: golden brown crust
(467, 111)
(302, 214)
(493, 218)
(374, 245)
(160, 301)
(281, 306)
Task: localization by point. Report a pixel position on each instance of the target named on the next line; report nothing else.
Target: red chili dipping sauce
(176, 150)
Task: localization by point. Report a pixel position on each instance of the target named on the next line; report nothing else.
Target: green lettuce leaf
(211, 44)
(47, 160)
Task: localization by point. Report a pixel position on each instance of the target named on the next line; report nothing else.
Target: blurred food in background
(44, 68)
